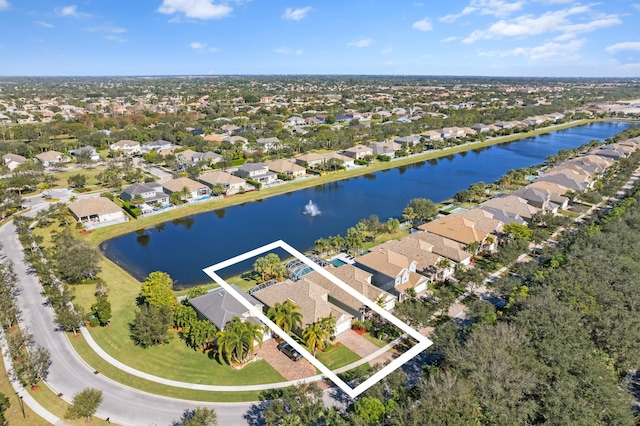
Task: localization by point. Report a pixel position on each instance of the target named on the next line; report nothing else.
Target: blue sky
(425, 37)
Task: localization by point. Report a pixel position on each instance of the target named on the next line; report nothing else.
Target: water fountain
(311, 209)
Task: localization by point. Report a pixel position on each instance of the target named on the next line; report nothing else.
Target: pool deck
(343, 257)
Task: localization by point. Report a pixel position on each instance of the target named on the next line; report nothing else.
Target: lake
(185, 246)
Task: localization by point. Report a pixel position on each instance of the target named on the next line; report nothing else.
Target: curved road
(68, 374)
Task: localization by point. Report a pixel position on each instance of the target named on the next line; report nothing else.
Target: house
(503, 125)
(13, 160)
(151, 193)
(230, 128)
(415, 249)
(570, 178)
(127, 147)
(452, 250)
(96, 210)
(93, 154)
(197, 132)
(295, 121)
(360, 281)
(609, 151)
(408, 140)
(237, 140)
(206, 157)
(456, 228)
(311, 160)
(346, 161)
(385, 148)
(286, 167)
(312, 299)
(557, 193)
(431, 135)
(268, 144)
(503, 216)
(219, 307)
(358, 152)
(51, 158)
(540, 199)
(481, 128)
(258, 172)
(512, 204)
(232, 184)
(453, 132)
(186, 156)
(196, 190)
(157, 145)
(393, 272)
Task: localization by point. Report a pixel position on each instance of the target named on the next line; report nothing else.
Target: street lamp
(21, 403)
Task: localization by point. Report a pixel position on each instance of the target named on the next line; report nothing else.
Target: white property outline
(422, 341)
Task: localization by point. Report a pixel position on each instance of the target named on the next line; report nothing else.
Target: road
(69, 374)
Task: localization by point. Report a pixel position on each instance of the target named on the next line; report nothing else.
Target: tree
(102, 309)
(157, 290)
(68, 318)
(85, 404)
(236, 343)
(285, 315)
(218, 189)
(33, 367)
(270, 267)
(77, 181)
(74, 259)
(201, 416)
(151, 325)
(423, 208)
(4, 406)
(518, 231)
(371, 410)
(137, 200)
(315, 336)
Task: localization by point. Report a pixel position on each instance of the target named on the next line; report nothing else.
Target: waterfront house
(311, 160)
(417, 250)
(393, 272)
(358, 152)
(385, 148)
(452, 250)
(219, 307)
(232, 184)
(286, 167)
(196, 190)
(458, 229)
(359, 280)
(96, 210)
(345, 161)
(512, 204)
(312, 299)
(538, 198)
(151, 192)
(258, 172)
(431, 135)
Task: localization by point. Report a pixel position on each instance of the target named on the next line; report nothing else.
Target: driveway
(362, 346)
(291, 370)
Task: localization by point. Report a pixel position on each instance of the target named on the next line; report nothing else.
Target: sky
(545, 38)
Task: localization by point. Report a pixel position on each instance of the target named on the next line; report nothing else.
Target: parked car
(289, 351)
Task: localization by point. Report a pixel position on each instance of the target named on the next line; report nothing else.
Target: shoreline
(100, 235)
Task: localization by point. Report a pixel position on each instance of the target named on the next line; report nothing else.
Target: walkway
(362, 346)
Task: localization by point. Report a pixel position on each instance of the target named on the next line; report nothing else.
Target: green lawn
(337, 357)
(57, 406)
(379, 343)
(62, 176)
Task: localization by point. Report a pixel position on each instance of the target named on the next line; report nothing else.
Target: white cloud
(42, 23)
(557, 21)
(282, 50)
(196, 45)
(636, 6)
(296, 14)
(629, 67)
(199, 9)
(4, 4)
(299, 52)
(497, 8)
(449, 39)
(107, 29)
(547, 51)
(71, 11)
(361, 42)
(115, 38)
(387, 50)
(627, 45)
(423, 25)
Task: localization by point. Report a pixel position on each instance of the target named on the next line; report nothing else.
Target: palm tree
(314, 336)
(236, 343)
(285, 315)
(185, 193)
(137, 200)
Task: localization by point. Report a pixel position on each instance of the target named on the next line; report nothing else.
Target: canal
(185, 246)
